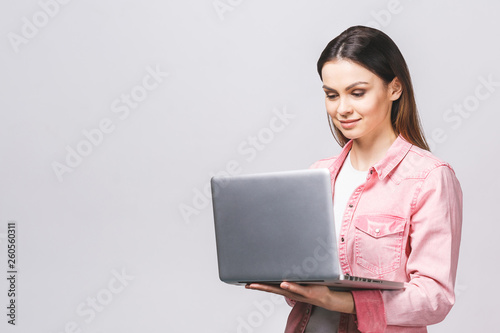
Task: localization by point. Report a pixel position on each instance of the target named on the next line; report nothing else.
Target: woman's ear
(395, 89)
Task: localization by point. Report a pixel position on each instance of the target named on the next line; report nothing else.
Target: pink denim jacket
(404, 224)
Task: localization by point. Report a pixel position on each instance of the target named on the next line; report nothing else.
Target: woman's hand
(322, 296)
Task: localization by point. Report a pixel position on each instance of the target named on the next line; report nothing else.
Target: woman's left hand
(322, 296)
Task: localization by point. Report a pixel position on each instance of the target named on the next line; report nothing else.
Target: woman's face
(358, 101)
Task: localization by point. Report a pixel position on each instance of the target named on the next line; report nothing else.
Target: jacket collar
(395, 154)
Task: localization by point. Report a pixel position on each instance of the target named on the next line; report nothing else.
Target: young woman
(398, 208)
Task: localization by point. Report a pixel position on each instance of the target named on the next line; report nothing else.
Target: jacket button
(350, 206)
(371, 171)
(342, 239)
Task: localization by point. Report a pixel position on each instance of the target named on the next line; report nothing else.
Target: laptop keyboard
(356, 278)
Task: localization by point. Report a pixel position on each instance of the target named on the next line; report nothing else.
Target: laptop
(279, 226)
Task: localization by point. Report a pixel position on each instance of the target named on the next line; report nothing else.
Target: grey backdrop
(114, 115)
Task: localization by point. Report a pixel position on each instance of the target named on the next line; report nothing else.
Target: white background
(119, 209)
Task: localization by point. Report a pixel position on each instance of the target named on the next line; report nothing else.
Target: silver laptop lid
(275, 226)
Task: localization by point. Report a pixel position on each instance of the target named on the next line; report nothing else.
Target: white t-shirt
(348, 179)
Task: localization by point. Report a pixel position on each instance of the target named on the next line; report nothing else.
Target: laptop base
(344, 282)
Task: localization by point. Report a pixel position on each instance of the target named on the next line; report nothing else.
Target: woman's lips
(346, 124)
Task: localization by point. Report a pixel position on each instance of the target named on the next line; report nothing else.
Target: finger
(287, 291)
(266, 287)
(295, 288)
(275, 290)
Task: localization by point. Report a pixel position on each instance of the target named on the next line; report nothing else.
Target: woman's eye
(331, 96)
(358, 93)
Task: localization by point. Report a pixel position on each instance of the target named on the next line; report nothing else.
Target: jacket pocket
(379, 242)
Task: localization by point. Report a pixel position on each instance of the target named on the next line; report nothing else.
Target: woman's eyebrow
(355, 84)
(325, 87)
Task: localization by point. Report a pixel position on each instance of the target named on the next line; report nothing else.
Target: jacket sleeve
(370, 310)
(434, 240)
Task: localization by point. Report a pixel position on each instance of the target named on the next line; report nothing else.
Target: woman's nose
(344, 108)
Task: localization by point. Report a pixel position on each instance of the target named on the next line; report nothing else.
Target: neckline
(350, 166)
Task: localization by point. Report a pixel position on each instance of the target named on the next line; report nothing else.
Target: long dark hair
(377, 52)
